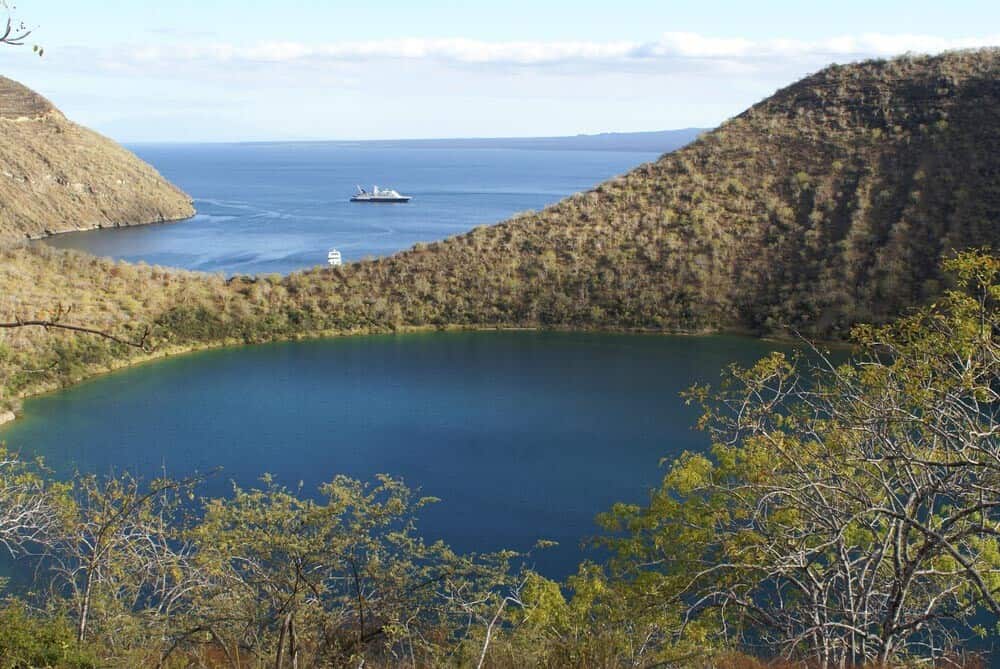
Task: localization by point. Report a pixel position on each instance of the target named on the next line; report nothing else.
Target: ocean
(265, 208)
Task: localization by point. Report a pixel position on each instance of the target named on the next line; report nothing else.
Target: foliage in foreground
(30, 640)
(263, 577)
(845, 516)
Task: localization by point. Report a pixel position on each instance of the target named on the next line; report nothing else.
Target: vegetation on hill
(830, 203)
(847, 515)
(57, 176)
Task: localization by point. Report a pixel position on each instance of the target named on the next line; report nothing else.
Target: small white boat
(333, 258)
(379, 195)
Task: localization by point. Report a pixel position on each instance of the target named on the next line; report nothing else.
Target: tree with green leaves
(306, 582)
(846, 514)
(120, 561)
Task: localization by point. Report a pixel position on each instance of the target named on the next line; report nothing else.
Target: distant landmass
(660, 141)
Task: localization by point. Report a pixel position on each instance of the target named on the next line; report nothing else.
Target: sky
(229, 70)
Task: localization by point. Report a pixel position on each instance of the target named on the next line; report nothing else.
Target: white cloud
(675, 54)
(431, 87)
(669, 47)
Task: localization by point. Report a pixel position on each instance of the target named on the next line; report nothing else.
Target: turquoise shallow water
(522, 435)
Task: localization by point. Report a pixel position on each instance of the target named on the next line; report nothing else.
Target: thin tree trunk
(361, 608)
(489, 634)
(81, 628)
(293, 643)
(280, 655)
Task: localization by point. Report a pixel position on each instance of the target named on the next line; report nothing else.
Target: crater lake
(522, 435)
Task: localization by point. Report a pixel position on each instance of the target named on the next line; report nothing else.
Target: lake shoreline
(12, 413)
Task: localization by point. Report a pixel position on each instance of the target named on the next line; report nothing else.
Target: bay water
(266, 208)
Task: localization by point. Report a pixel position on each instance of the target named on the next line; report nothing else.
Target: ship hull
(380, 200)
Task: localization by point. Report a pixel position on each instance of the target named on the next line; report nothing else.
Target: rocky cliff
(57, 176)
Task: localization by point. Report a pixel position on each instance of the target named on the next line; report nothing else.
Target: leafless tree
(486, 611)
(27, 515)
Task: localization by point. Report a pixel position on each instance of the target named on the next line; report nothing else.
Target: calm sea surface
(522, 435)
(279, 207)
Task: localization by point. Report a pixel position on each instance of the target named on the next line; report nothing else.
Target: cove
(522, 435)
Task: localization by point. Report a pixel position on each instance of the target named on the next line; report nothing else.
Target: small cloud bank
(670, 47)
(212, 89)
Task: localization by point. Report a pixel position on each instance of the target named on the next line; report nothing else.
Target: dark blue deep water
(522, 435)
(279, 207)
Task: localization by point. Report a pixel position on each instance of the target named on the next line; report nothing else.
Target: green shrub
(29, 641)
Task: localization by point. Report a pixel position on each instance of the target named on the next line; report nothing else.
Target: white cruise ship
(379, 195)
(333, 258)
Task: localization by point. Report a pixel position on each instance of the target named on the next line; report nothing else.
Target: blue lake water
(522, 435)
(279, 207)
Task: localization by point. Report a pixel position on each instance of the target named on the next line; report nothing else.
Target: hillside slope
(829, 203)
(57, 176)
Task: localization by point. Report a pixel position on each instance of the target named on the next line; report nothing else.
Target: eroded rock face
(6, 417)
(57, 176)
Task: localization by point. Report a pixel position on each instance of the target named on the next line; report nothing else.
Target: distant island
(661, 141)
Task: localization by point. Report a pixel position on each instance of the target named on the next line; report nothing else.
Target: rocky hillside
(57, 176)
